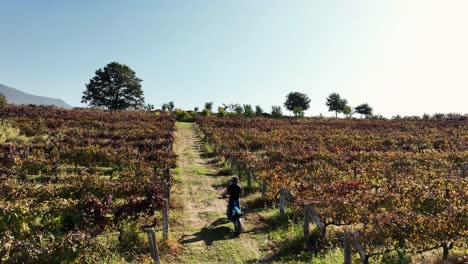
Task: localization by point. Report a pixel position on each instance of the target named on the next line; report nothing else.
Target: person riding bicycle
(235, 191)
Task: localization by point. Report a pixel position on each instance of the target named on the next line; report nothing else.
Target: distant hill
(17, 97)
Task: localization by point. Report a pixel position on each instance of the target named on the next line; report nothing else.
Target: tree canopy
(248, 110)
(171, 106)
(364, 109)
(209, 106)
(296, 100)
(114, 87)
(336, 104)
(258, 110)
(238, 109)
(347, 110)
(298, 112)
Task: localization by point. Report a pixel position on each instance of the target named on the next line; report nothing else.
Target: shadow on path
(214, 232)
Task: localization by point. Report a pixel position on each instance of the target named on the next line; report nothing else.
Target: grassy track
(202, 230)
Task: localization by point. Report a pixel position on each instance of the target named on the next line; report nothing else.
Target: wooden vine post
(309, 214)
(167, 173)
(360, 249)
(282, 201)
(306, 224)
(166, 220)
(446, 247)
(264, 188)
(347, 250)
(153, 245)
(167, 190)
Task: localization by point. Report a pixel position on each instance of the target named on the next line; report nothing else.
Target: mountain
(15, 96)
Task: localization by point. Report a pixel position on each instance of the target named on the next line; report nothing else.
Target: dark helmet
(235, 179)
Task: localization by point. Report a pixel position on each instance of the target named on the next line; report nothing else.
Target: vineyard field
(84, 186)
(75, 178)
(389, 185)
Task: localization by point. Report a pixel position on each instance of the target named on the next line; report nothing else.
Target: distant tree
(195, 109)
(276, 111)
(206, 112)
(364, 109)
(298, 112)
(184, 116)
(258, 110)
(222, 112)
(171, 106)
(168, 106)
(114, 87)
(296, 100)
(347, 110)
(454, 116)
(3, 100)
(149, 107)
(248, 110)
(336, 104)
(234, 108)
(209, 106)
(238, 109)
(437, 116)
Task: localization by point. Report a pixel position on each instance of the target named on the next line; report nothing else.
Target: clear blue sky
(402, 57)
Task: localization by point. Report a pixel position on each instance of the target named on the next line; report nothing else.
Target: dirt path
(204, 233)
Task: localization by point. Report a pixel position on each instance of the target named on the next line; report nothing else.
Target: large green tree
(114, 87)
(364, 109)
(296, 101)
(336, 104)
